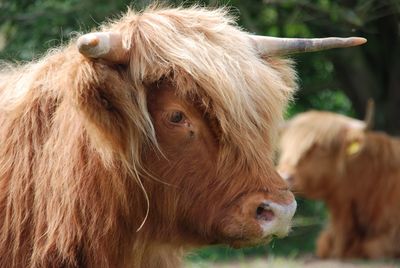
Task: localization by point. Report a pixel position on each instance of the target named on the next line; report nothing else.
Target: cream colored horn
(275, 46)
(104, 45)
(369, 115)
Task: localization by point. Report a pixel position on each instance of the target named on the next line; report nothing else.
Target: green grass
(309, 220)
(301, 241)
(287, 262)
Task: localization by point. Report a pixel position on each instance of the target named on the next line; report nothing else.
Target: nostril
(264, 212)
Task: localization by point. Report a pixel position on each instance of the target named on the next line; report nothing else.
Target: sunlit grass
(288, 262)
(294, 251)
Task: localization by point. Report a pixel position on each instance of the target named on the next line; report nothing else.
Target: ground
(292, 263)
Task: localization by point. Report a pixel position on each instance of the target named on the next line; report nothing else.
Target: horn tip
(87, 42)
(93, 45)
(356, 41)
(94, 41)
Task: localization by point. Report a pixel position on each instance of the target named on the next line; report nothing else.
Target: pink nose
(275, 219)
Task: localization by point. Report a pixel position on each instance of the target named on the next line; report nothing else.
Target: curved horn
(104, 45)
(369, 115)
(272, 46)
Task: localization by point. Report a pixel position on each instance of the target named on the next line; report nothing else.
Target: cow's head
(316, 149)
(209, 96)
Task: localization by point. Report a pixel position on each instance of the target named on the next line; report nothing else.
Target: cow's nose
(275, 218)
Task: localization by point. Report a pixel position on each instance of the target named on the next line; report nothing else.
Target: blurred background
(339, 80)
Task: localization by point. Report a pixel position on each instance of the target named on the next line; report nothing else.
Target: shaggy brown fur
(107, 165)
(330, 157)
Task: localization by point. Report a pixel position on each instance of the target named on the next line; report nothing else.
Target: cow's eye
(176, 117)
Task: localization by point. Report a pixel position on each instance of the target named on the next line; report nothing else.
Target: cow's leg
(379, 247)
(334, 242)
(354, 248)
(341, 238)
(325, 243)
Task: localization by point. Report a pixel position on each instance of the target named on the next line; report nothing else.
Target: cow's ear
(353, 142)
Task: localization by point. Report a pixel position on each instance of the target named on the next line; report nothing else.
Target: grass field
(294, 251)
(280, 262)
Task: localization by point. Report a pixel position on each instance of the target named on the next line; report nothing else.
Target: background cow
(154, 137)
(356, 172)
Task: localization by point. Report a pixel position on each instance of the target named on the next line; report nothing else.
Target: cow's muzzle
(275, 219)
(255, 218)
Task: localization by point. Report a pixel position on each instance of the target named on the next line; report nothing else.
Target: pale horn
(274, 46)
(104, 45)
(369, 115)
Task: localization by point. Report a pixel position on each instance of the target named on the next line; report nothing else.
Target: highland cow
(356, 172)
(149, 137)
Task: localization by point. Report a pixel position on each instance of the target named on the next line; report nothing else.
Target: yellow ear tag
(353, 148)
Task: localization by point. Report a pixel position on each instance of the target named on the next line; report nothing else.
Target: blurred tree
(29, 27)
(370, 71)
